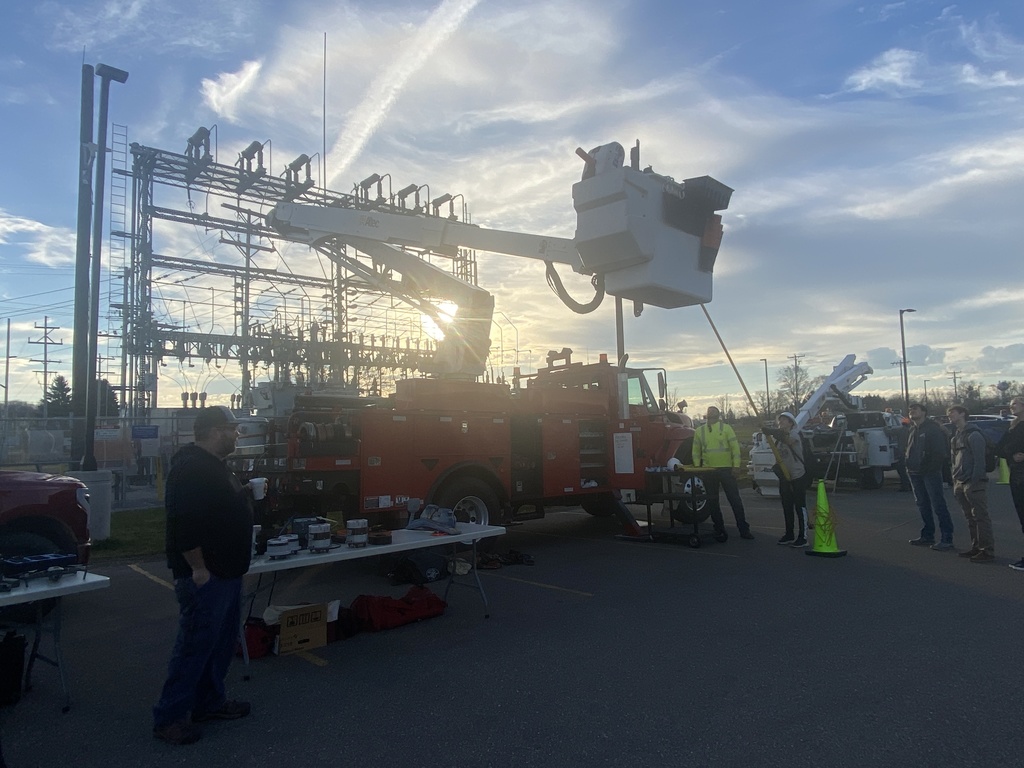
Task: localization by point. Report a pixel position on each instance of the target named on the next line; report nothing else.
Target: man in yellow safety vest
(715, 445)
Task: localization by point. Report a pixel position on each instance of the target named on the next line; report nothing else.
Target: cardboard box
(302, 629)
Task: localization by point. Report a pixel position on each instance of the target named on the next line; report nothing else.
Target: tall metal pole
(7, 389)
(620, 334)
(106, 74)
(80, 352)
(767, 391)
(903, 364)
(925, 392)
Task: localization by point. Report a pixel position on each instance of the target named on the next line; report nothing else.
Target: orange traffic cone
(824, 528)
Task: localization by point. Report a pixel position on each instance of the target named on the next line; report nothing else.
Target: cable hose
(555, 283)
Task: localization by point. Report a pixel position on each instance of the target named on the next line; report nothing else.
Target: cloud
(891, 72)
(987, 42)
(385, 88)
(38, 242)
(971, 75)
(224, 93)
(153, 27)
(994, 358)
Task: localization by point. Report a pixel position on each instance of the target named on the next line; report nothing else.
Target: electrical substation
(201, 287)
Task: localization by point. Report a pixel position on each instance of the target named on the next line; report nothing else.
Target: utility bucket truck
(571, 434)
(856, 444)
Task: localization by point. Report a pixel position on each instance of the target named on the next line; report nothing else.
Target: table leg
(476, 576)
(58, 660)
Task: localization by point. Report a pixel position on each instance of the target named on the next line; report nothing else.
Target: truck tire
(472, 500)
(872, 478)
(605, 506)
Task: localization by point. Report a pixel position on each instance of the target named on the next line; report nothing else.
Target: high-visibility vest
(715, 445)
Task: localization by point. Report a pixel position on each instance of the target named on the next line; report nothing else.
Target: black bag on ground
(12, 667)
(419, 568)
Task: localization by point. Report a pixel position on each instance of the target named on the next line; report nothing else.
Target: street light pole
(903, 353)
(767, 391)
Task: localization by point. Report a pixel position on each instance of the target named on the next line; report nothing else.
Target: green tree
(57, 400)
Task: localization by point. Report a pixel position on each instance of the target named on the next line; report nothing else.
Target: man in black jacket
(927, 452)
(209, 540)
(1011, 448)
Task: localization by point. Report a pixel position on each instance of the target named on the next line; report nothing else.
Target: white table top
(43, 589)
(401, 541)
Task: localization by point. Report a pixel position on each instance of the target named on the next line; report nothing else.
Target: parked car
(43, 514)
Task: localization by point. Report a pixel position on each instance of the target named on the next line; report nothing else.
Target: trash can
(99, 483)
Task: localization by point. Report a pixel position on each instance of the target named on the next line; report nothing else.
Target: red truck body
(574, 435)
(43, 514)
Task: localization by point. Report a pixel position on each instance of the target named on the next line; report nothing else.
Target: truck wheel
(472, 500)
(872, 478)
(603, 507)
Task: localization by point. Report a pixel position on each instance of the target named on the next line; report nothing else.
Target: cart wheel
(722, 537)
(694, 541)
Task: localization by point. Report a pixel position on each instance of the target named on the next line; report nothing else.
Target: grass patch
(133, 533)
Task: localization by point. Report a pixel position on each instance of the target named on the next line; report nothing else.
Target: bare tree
(795, 387)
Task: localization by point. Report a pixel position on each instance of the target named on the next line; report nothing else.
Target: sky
(876, 151)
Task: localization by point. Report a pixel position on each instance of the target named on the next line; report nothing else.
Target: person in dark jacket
(926, 454)
(1011, 448)
(970, 484)
(209, 545)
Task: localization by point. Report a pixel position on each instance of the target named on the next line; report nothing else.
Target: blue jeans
(928, 495)
(210, 616)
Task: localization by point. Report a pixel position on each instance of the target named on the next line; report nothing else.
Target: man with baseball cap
(209, 538)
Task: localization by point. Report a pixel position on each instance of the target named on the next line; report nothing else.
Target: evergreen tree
(57, 400)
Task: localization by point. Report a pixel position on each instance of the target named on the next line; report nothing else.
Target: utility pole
(767, 390)
(953, 375)
(796, 381)
(46, 341)
(7, 389)
(7, 373)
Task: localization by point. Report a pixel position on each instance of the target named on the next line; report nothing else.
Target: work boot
(179, 732)
(229, 710)
(969, 553)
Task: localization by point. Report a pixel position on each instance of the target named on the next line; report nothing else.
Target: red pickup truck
(43, 514)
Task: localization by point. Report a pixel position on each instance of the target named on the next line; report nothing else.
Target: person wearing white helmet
(792, 492)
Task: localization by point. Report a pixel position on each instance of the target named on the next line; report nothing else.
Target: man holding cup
(209, 535)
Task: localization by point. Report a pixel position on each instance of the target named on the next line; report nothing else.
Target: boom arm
(844, 377)
(653, 239)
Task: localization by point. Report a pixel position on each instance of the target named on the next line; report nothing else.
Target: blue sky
(876, 150)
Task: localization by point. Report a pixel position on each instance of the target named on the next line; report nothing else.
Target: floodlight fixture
(107, 72)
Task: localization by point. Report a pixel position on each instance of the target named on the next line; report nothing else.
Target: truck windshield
(639, 391)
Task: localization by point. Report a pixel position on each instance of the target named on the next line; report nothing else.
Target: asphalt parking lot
(603, 653)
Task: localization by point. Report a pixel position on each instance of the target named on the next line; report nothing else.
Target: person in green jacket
(715, 445)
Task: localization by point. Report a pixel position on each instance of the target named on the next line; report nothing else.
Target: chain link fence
(135, 451)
